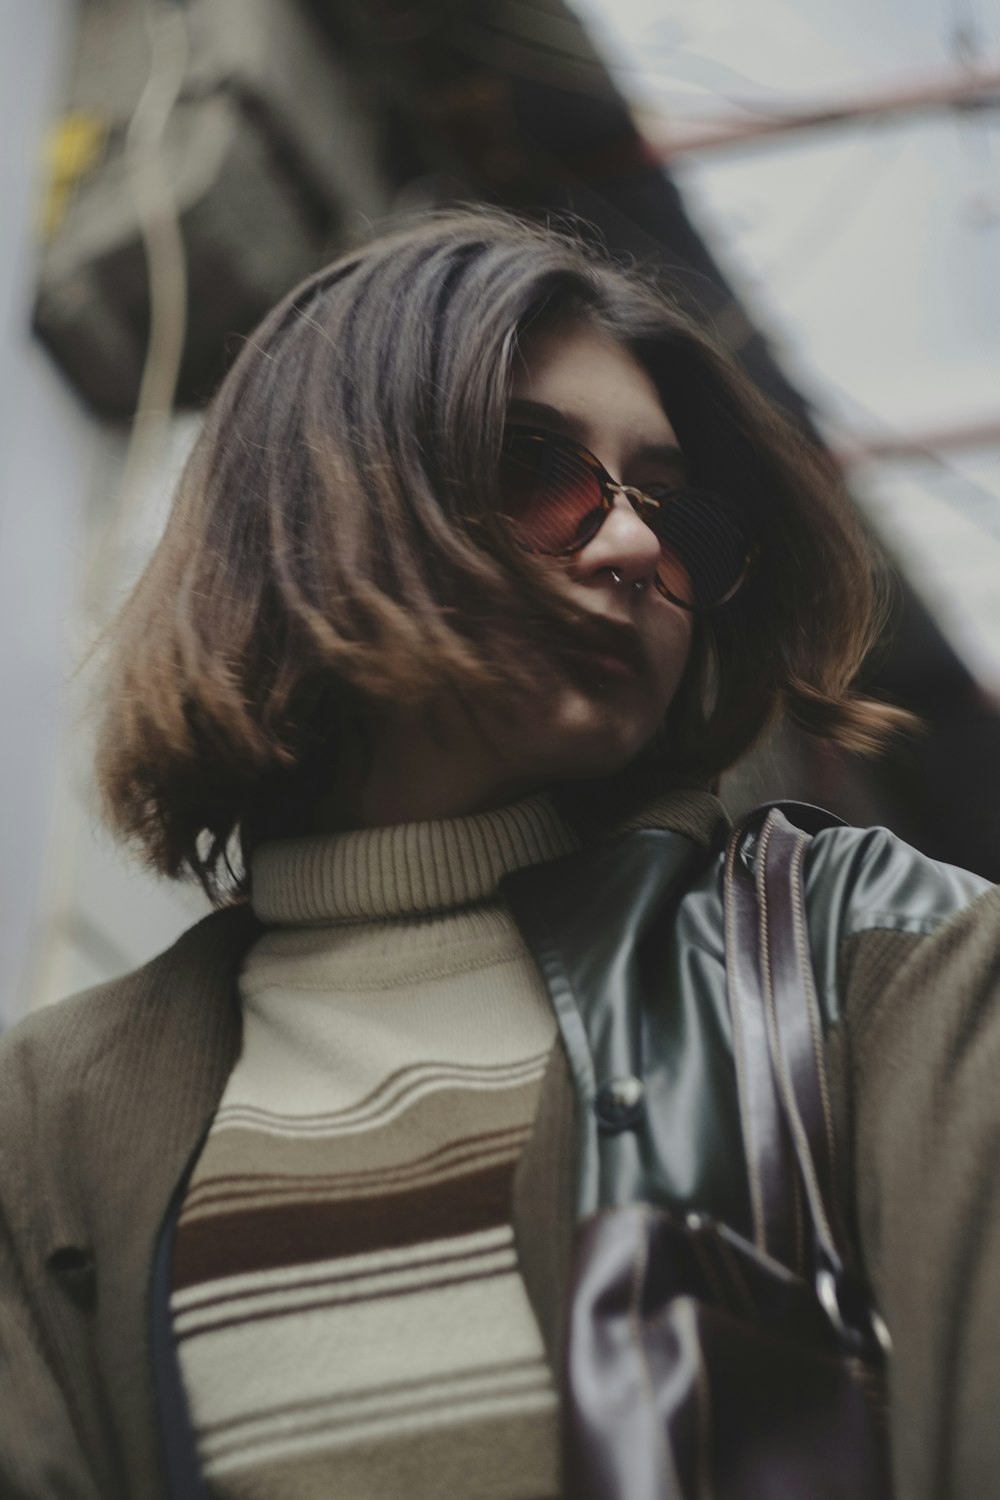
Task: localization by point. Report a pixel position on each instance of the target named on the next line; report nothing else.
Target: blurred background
(822, 178)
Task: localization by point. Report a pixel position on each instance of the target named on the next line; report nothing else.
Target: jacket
(104, 1097)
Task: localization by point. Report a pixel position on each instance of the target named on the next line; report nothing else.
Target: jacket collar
(694, 812)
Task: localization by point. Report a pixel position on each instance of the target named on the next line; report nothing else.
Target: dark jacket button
(620, 1104)
(73, 1268)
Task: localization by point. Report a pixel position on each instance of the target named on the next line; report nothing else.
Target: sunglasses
(556, 496)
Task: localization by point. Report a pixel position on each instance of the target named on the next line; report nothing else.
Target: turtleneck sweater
(347, 1302)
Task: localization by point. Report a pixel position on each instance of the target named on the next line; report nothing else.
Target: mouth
(611, 652)
(610, 664)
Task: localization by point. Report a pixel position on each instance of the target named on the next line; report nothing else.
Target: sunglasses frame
(640, 503)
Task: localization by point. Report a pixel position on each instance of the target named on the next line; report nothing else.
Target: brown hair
(333, 541)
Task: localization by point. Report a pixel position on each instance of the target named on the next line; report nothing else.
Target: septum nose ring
(637, 583)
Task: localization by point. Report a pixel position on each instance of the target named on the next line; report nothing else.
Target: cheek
(671, 651)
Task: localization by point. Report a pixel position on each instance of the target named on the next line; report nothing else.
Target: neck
(418, 772)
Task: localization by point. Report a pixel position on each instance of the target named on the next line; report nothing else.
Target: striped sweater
(350, 1316)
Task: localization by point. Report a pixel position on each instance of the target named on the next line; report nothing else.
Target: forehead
(587, 374)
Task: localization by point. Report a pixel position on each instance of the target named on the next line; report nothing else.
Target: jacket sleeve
(923, 1019)
(41, 1455)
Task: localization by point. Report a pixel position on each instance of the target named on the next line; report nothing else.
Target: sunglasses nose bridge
(640, 503)
(635, 547)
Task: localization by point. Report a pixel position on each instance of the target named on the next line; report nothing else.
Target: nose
(624, 550)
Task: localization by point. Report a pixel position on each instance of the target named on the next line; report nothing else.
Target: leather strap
(798, 1046)
(777, 1032)
(765, 1135)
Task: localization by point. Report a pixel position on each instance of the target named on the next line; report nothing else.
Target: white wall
(72, 911)
(46, 448)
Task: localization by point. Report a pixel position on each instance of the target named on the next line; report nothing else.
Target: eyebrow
(519, 409)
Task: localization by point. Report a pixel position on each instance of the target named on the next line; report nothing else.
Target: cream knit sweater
(350, 1314)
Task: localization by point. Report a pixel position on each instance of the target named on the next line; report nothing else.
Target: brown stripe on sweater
(216, 1193)
(432, 1121)
(288, 1191)
(258, 1240)
(410, 1076)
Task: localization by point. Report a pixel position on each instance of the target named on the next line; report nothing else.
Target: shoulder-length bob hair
(334, 542)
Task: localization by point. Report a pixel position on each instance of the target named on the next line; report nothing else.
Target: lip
(613, 664)
(612, 649)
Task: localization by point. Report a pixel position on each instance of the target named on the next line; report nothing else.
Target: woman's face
(574, 381)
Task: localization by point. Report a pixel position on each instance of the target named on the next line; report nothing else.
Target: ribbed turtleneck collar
(405, 870)
(379, 873)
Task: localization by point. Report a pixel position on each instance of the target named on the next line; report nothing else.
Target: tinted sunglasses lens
(550, 495)
(703, 547)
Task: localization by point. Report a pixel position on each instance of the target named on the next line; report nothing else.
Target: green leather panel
(629, 940)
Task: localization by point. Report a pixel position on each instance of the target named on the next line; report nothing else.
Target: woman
(485, 567)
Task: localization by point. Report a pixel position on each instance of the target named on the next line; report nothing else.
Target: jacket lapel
(180, 1026)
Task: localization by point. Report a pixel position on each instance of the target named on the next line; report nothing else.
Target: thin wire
(655, 76)
(811, 239)
(730, 324)
(152, 190)
(524, 39)
(965, 40)
(768, 103)
(985, 515)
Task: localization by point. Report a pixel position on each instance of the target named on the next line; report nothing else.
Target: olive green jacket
(104, 1097)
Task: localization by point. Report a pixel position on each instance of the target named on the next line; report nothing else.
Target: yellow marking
(75, 146)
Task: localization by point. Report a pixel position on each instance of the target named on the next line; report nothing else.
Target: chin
(593, 739)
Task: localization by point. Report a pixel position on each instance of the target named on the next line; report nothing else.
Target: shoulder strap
(777, 1032)
(767, 885)
(766, 1141)
(798, 1049)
